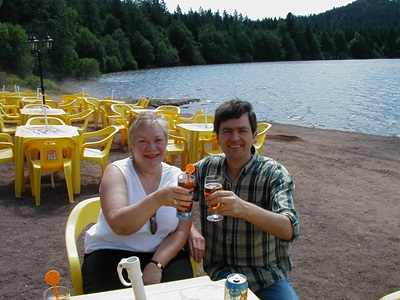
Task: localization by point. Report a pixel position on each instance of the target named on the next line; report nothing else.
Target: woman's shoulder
(170, 169)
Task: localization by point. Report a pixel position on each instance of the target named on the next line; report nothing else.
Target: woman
(139, 196)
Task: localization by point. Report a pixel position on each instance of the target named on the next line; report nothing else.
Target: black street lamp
(33, 45)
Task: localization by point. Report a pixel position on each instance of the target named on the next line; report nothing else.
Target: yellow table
(27, 113)
(193, 132)
(201, 288)
(28, 132)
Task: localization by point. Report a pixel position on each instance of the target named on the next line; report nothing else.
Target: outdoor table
(201, 288)
(28, 132)
(27, 113)
(193, 132)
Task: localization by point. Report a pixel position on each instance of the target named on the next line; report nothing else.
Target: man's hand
(197, 244)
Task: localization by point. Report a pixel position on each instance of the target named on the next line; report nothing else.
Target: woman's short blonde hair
(144, 120)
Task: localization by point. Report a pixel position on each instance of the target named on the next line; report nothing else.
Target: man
(260, 221)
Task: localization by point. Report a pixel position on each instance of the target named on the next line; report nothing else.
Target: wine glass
(212, 183)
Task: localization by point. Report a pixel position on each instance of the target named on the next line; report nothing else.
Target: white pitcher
(132, 266)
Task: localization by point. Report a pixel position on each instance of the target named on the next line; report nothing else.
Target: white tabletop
(200, 288)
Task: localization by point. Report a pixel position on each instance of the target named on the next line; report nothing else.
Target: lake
(349, 95)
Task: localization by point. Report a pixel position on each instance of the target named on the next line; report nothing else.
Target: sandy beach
(347, 195)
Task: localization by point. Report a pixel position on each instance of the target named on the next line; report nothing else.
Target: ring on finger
(175, 202)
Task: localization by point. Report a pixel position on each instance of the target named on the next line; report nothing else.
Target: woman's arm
(125, 219)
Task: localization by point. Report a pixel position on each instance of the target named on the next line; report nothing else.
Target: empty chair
(42, 121)
(7, 148)
(177, 145)
(202, 119)
(37, 106)
(95, 146)
(211, 147)
(191, 118)
(8, 123)
(80, 120)
(262, 129)
(50, 155)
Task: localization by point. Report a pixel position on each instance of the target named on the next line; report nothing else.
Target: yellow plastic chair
(38, 105)
(191, 118)
(173, 111)
(50, 155)
(142, 103)
(82, 215)
(7, 148)
(202, 119)
(8, 124)
(177, 145)
(262, 129)
(95, 146)
(80, 120)
(42, 121)
(210, 146)
(94, 104)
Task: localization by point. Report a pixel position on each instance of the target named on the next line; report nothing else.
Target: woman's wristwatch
(159, 265)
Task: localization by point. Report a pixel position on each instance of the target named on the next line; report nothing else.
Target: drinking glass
(186, 181)
(63, 293)
(213, 183)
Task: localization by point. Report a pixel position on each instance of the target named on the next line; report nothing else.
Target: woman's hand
(175, 196)
(151, 274)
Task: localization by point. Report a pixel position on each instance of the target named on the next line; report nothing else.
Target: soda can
(236, 287)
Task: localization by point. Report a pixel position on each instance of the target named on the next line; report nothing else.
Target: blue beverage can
(236, 287)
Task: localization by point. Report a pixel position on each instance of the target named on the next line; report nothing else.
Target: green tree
(328, 47)
(267, 46)
(182, 39)
(14, 54)
(340, 44)
(142, 50)
(166, 55)
(358, 46)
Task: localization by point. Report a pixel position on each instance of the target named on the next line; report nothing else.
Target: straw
(52, 278)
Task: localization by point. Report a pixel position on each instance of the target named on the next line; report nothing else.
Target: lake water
(350, 95)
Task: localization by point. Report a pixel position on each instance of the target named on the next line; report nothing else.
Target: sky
(259, 9)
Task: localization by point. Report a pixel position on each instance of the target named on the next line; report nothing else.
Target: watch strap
(159, 265)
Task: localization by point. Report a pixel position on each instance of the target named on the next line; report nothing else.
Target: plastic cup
(186, 181)
(63, 293)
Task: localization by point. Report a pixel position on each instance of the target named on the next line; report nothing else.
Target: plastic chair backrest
(37, 105)
(80, 119)
(262, 129)
(98, 150)
(7, 148)
(42, 121)
(82, 215)
(202, 119)
(52, 152)
(121, 109)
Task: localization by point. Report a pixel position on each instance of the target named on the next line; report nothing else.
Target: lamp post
(33, 45)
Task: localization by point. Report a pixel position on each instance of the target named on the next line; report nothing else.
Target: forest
(93, 37)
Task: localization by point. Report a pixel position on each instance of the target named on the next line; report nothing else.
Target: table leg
(76, 165)
(194, 147)
(19, 166)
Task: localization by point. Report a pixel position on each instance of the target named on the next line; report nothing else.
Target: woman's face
(149, 146)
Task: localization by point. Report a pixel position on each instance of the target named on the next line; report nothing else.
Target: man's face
(235, 138)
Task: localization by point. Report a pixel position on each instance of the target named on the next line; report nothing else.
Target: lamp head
(33, 44)
(48, 42)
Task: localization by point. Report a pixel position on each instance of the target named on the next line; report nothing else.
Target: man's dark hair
(234, 109)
